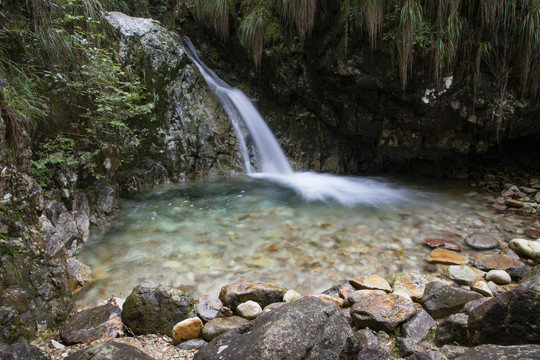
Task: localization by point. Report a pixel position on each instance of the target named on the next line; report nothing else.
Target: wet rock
(500, 277)
(462, 274)
(373, 352)
(249, 310)
(99, 323)
(441, 300)
(442, 244)
(208, 308)
(443, 256)
(329, 299)
(527, 248)
(218, 326)
(418, 326)
(482, 241)
(452, 329)
(481, 286)
(109, 351)
(187, 330)
(22, 352)
(151, 309)
(511, 318)
(307, 329)
(488, 262)
(291, 296)
(194, 344)
(79, 274)
(412, 284)
(489, 352)
(264, 294)
(382, 312)
(371, 282)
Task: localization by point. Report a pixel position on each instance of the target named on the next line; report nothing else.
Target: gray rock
(418, 326)
(208, 307)
(532, 279)
(373, 352)
(512, 318)
(367, 337)
(407, 347)
(427, 355)
(99, 323)
(109, 351)
(307, 329)
(263, 294)
(452, 329)
(382, 312)
(453, 351)
(491, 352)
(441, 300)
(79, 274)
(22, 352)
(482, 241)
(151, 309)
(194, 344)
(463, 274)
(498, 277)
(218, 326)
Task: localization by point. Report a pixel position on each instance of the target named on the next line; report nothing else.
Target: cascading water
(273, 163)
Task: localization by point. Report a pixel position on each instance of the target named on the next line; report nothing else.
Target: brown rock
(513, 203)
(329, 299)
(371, 282)
(413, 284)
(443, 256)
(441, 243)
(79, 274)
(264, 294)
(218, 326)
(533, 233)
(507, 263)
(187, 329)
(382, 312)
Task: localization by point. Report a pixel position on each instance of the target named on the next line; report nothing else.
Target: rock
(441, 300)
(427, 355)
(249, 310)
(534, 233)
(462, 274)
(208, 308)
(187, 330)
(488, 262)
(418, 326)
(443, 256)
(308, 329)
(413, 284)
(79, 274)
(511, 318)
(500, 277)
(373, 352)
(490, 352)
(371, 282)
(443, 244)
(99, 323)
(22, 352)
(513, 203)
(406, 347)
(527, 248)
(329, 299)
(481, 286)
(367, 337)
(194, 344)
(532, 279)
(109, 351)
(273, 306)
(452, 329)
(382, 312)
(225, 312)
(356, 296)
(453, 351)
(218, 326)
(151, 309)
(263, 294)
(471, 305)
(291, 296)
(482, 241)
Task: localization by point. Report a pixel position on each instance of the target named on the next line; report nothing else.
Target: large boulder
(305, 329)
(151, 309)
(109, 351)
(22, 352)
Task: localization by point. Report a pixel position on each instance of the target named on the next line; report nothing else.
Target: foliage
(251, 34)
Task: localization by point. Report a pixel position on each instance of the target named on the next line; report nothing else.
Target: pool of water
(200, 236)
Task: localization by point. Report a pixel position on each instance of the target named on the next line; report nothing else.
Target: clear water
(200, 236)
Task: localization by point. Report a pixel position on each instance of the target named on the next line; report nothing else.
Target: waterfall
(273, 164)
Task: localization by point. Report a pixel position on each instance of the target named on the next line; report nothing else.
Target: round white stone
(249, 310)
(291, 296)
(498, 277)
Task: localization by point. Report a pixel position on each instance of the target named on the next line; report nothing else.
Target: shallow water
(201, 236)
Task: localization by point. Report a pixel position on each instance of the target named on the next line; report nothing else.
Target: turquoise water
(200, 236)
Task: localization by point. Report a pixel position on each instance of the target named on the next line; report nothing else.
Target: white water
(272, 161)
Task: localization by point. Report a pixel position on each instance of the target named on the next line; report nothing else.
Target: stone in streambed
(482, 241)
(218, 326)
(187, 330)
(208, 308)
(443, 244)
(463, 274)
(382, 312)
(264, 294)
(418, 326)
(371, 282)
(443, 256)
(500, 277)
(308, 329)
(109, 351)
(504, 262)
(441, 300)
(249, 310)
(413, 284)
(526, 248)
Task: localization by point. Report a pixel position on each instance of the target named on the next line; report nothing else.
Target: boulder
(99, 323)
(151, 309)
(109, 351)
(264, 294)
(218, 326)
(309, 329)
(511, 318)
(490, 352)
(22, 352)
(381, 312)
(441, 300)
